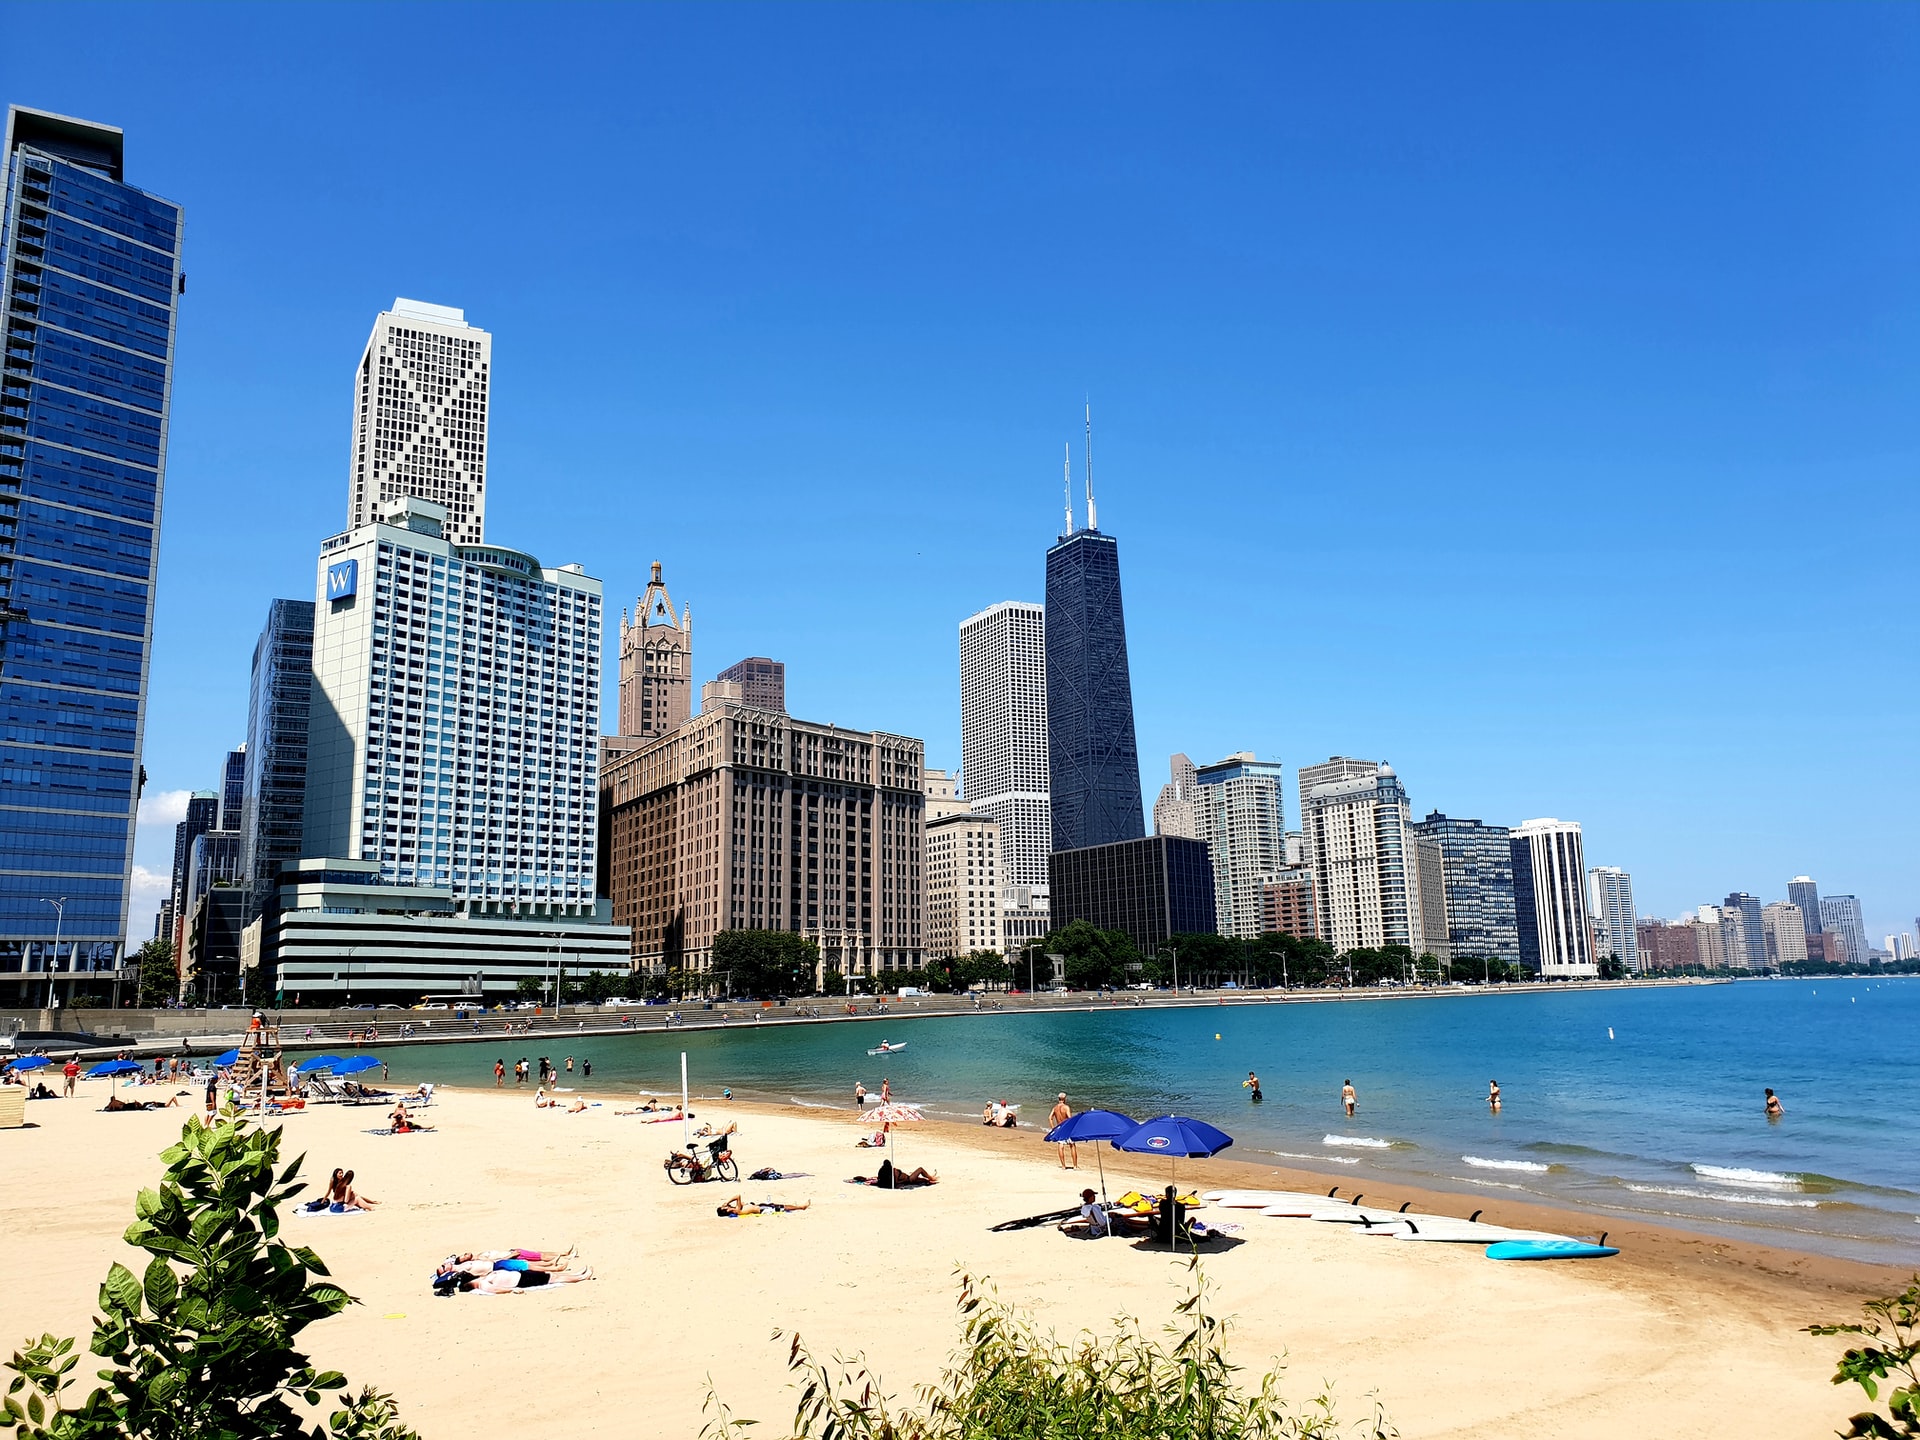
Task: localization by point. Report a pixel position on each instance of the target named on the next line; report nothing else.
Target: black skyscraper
(1095, 763)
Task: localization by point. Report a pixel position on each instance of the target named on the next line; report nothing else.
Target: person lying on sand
(577, 1106)
(651, 1109)
(505, 1282)
(737, 1207)
(116, 1104)
(892, 1179)
(470, 1263)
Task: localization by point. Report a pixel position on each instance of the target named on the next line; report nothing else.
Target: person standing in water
(886, 1090)
(1252, 1084)
(1493, 1096)
(1348, 1098)
(859, 1095)
(1774, 1108)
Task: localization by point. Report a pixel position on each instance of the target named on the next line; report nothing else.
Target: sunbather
(737, 1207)
(504, 1282)
(892, 1179)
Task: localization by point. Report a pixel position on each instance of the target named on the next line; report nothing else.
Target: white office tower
(1549, 868)
(454, 730)
(420, 417)
(1841, 915)
(1239, 809)
(1173, 810)
(1003, 741)
(1360, 842)
(1610, 899)
(1786, 932)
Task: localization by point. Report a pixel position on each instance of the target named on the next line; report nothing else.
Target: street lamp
(1174, 950)
(60, 919)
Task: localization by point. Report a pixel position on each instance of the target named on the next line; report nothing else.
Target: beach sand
(1680, 1332)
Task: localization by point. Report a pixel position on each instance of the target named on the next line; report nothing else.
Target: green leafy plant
(1893, 1328)
(1010, 1381)
(201, 1344)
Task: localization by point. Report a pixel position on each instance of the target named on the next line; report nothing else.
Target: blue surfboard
(1549, 1250)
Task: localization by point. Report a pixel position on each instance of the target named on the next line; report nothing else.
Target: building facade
(274, 790)
(420, 418)
(1173, 808)
(1003, 745)
(762, 682)
(1149, 888)
(1434, 929)
(1803, 892)
(1093, 761)
(1476, 864)
(1286, 903)
(1366, 872)
(1786, 931)
(203, 814)
(1610, 901)
(1743, 931)
(1664, 946)
(1840, 915)
(1239, 810)
(1549, 868)
(453, 728)
(656, 663)
(746, 819)
(89, 284)
(963, 885)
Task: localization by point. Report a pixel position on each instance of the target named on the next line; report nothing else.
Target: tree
(202, 1343)
(159, 976)
(1094, 957)
(764, 962)
(1893, 1355)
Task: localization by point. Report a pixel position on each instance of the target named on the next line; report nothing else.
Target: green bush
(200, 1347)
(1010, 1381)
(1893, 1324)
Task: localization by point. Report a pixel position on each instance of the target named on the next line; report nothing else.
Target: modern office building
(452, 735)
(1147, 888)
(1549, 868)
(279, 699)
(89, 284)
(233, 787)
(1477, 870)
(656, 664)
(747, 819)
(1173, 809)
(762, 682)
(203, 814)
(1744, 932)
(1093, 761)
(1239, 810)
(1840, 915)
(210, 948)
(1360, 840)
(1003, 750)
(1434, 929)
(1286, 903)
(1786, 932)
(1610, 901)
(1803, 892)
(963, 885)
(420, 418)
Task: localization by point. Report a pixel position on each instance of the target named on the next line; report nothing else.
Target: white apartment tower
(1239, 809)
(420, 417)
(1003, 737)
(1173, 810)
(1361, 844)
(1610, 901)
(1549, 868)
(1786, 932)
(454, 730)
(963, 884)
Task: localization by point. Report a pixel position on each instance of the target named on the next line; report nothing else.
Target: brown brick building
(656, 663)
(747, 819)
(1286, 903)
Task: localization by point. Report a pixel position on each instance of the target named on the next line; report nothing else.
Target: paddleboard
(888, 1049)
(1549, 1250)
(1260, 1199)
(1445, 1230)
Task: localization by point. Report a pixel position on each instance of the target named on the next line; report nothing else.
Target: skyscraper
(656, 664)
(1173, 809)
(1477, 869)
(762, 682)
(1610, 898)
(1840, 914)
(1549, 866)
(203, 815)
(1366, 871)
(89, 283)
(1743, 931)
(1003, 745)
(1786, 933)
(278, 701)
(1239, 809)
(420, 417)
(233, 788)
(1804, 893)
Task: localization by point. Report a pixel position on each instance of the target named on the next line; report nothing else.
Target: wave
(1734, 1175)
(1357, 1142)
(1528, 1165)
(812, 1104)
(1555, 1147)
(1317, 1159)
(1726, 1197)
(1493, 1184)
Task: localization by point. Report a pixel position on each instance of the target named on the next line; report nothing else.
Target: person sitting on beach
(1092, 1221)
(544, 1101)
(889, 1178)
(737, 1207)
(346, 1196)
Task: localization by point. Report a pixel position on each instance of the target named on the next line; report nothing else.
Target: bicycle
(687, 1168)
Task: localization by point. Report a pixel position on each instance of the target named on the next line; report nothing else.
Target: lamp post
(1173, 950)
(60, 920)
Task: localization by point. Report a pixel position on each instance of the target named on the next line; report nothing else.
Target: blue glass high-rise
(273, 809)
(1094, 763)
(89, 281)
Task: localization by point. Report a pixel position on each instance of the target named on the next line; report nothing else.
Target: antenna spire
(1066, 484)
(1093, 516)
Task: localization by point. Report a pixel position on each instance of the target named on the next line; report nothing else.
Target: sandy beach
(1678, 1332)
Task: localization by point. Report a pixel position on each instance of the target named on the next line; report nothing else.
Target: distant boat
(1609, 1032)
(885, 1049)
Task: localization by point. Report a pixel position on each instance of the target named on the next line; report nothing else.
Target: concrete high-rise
(273, 805)
(1093, 761)
(420, 418)
(1434, 929)
(1743, 931)
(1806, 895)
(1841, 915)
(1549, 868)
(963, 884)
(762, 682)
(1239, 810)
(1610, 899)
(1786, 930)
(656, 664)
(1173, 810)
(1477, 869)
(90, 280)
(1003, 752)
(1361, 844)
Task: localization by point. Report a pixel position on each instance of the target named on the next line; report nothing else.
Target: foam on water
(1357, 1142)
(1317, 1159)
(1529, 1166)
(1734, 1175)
(1727, 1197)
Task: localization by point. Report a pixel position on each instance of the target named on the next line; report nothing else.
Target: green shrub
(1010, 1381)
(1895, 1356)
(200, 1347)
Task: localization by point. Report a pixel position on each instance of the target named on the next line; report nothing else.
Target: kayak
(886, 1049)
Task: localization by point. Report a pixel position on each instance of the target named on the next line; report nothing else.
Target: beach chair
(13, 1106)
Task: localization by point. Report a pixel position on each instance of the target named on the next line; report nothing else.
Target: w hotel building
(89, 280)
(744, 818)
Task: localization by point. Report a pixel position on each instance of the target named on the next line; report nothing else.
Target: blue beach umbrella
(31, 1062)
(318, 1062)
(116, 1067)
(228, 1057)
(1174, 1136)
(355, 1065)
(1091, 1126)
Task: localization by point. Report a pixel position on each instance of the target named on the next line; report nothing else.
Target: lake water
(1644, 1103)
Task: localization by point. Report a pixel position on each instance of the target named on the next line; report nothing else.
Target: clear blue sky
(1524, 395)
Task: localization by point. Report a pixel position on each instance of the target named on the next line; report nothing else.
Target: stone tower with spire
(656, 663)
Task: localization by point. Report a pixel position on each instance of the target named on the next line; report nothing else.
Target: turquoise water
(1662, 1121)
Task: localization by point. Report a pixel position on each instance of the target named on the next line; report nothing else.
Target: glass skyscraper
(273, 807)
(1093, 763)
(89, 281)
(1477, 870)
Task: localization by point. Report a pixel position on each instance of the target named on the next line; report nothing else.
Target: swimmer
(1252, 1083)
(1774, 1108)
(1348, 1098)
(1493, 1095)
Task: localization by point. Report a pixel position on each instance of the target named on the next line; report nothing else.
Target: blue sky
(1524, 395)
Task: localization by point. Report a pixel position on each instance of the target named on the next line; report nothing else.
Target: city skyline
(1477, 408)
